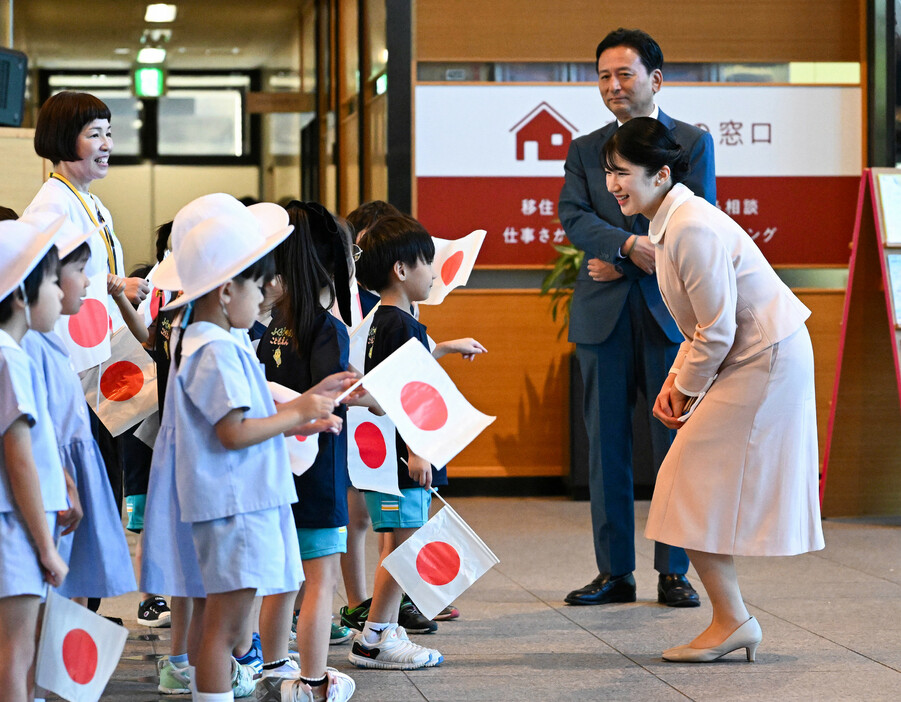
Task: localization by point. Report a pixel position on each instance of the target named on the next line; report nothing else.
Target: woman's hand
(601, 271)
(669, 403)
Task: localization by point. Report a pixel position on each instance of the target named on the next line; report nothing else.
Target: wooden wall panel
(524, 378)
(700, 30)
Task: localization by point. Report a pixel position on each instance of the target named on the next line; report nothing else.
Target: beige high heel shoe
(748, 636)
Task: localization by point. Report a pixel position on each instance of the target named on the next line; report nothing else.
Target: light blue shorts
(316, 543)
(390, 512)
(134, 507)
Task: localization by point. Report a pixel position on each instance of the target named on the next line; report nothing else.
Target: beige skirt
(742, 475)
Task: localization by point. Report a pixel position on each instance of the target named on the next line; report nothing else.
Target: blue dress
(97, 553)
(23, 394)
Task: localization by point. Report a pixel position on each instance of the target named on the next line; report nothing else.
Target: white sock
(372, 631)
(214, 696)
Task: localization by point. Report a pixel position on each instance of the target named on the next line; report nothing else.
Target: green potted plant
(560, 282)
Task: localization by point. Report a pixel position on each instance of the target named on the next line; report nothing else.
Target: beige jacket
(726, 299)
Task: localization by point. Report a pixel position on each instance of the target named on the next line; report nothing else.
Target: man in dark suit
(625, 338)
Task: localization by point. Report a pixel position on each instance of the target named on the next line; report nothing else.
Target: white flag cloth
(123, 391)
(371, 451)
(454, 259)
(78, 652)
(87, 334)
(358, 336)
(431, 415)
(156, 298)
(302, 450)
(439, 561)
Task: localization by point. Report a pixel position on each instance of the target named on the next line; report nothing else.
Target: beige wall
(23, 172)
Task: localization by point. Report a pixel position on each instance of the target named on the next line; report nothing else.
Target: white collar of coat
(7, 340)
(199, 334)
(677, 195)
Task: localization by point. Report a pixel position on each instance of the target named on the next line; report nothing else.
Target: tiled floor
(831, 623)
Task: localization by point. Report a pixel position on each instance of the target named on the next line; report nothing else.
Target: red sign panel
(794, 220)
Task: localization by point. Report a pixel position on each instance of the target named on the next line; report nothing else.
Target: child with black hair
(396, 262)
(36, 497)
(97, 553)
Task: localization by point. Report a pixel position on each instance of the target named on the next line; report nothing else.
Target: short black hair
(369, 213)
(163, 232)
(391, 239)
(60, 121)
(32, 284)
(80, 253)
(7, 213)
(263, 267)
(643, 43)
(646, 142)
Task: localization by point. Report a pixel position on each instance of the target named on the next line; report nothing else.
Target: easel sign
(863, 440)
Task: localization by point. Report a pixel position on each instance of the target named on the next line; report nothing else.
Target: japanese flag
(371, 451)
(78, 652)
(439, 562)
(123, 391)
(430, 413)
(156, 298)
(358, 336)
(302, 450)
(454, 259)
(87, 334)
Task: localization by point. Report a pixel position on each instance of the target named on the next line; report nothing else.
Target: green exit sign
(149, 81)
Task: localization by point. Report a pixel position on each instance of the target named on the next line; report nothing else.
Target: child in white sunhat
(96, 553)
(232, 473)
(35, 496)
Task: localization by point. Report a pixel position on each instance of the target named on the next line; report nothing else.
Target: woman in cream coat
(741, 476)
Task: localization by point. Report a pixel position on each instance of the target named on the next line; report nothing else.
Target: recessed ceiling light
(151, 54)
(122, 51)
(160, 12)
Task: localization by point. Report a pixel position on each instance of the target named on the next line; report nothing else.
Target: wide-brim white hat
(69, 237)
(217, 249)
(271, 217)
(23, 246)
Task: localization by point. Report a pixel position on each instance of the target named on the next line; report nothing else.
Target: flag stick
(348, 391)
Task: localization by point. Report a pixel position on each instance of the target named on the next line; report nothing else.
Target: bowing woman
(741, 476)
(73, 133)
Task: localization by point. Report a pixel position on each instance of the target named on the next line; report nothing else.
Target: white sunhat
(22, 247)
(270, 217)
(217, 249)
(69, 238)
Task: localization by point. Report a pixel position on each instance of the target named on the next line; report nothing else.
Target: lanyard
(97, 220)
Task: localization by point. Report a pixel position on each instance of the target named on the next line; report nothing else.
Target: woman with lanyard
(73, 133)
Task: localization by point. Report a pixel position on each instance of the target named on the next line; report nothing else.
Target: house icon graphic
(544, 133)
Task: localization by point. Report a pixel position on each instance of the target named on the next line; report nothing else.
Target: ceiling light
(122, 51)
(160, 12)
(151, 54)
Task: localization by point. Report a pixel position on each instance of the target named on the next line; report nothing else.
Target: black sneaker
(154, 612)
(355, 617)
(413, 620)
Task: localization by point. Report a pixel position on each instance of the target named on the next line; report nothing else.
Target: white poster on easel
(894, 274)
(890, 204)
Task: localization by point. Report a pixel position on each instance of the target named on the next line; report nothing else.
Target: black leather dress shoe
(674, 590)
(604, 589)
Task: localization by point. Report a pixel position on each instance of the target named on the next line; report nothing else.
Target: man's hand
(601, 271)
(642, 254)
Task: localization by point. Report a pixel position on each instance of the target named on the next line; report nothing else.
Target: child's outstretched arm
(468, 348)
(26, 491)
(115, 286)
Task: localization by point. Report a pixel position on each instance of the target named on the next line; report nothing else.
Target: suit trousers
(637, 354)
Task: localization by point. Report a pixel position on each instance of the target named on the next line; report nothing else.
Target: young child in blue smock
(96, 552)
(35, 496)
(396, 262)
(232, 472)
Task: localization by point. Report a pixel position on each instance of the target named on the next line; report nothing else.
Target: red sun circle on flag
(80, 656)
(300, 437)
(424, 405)
(155, 302)
(90, 326)
(371, 445)
(450, 267)
(121, 381)
(438, 563)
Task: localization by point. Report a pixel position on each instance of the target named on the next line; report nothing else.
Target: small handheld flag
(371, 452)
(302, 450)
(454, 259)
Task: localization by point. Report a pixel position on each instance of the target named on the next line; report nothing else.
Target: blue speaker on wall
(13, 69)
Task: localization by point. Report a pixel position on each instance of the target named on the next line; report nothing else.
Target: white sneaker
(340, 686)
(393, 651)
(173, 680)
(275, 685)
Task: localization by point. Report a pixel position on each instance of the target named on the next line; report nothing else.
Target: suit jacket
(594, 222)
(724, 295)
